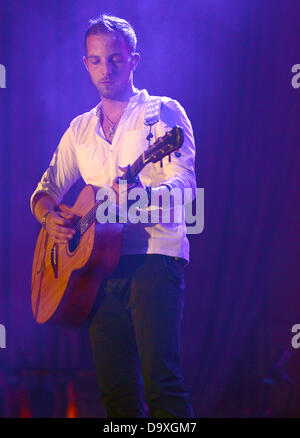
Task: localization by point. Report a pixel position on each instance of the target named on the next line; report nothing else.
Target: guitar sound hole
(74, 242)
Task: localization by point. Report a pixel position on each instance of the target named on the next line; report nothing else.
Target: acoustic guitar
(66, 277)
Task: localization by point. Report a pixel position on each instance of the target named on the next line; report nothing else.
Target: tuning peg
(177, 154)
(161, 163)
(169, 158)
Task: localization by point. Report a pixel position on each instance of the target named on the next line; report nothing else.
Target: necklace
(113, 125)
(111, 132)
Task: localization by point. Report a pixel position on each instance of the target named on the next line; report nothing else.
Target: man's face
(110, 64)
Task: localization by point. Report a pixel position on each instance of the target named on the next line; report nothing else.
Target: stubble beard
(116, 92)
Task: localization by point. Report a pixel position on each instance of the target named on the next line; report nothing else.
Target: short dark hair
(106, 23)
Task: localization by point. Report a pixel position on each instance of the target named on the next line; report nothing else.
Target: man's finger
(58, 220)
(67, 215)
(64, 230)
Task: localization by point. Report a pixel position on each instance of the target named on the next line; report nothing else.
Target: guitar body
(67, 277)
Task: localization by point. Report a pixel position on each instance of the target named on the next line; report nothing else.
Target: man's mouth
(108, 82)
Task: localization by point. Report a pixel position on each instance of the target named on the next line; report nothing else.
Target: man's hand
(59, 225)
(120, 190)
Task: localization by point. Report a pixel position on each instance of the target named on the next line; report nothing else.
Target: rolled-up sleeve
(62, 172)
(180, 171)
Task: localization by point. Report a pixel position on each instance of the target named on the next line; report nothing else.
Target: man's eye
(117, 60)
(95, 61)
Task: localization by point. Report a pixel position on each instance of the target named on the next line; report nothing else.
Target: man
(136, 322)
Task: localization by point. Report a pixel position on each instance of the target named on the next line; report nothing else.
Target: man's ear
(85, 62)
(135, 57)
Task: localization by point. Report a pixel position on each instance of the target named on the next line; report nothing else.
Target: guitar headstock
(170, 142)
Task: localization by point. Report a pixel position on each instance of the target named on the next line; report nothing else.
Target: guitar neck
(170, 142)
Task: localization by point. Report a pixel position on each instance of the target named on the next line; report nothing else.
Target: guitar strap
(152, 114)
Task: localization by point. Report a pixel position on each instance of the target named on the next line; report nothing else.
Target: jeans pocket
(176, 268)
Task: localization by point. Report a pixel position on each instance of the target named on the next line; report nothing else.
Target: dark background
(229, 64)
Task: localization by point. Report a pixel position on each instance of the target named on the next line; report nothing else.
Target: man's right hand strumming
(58, 224)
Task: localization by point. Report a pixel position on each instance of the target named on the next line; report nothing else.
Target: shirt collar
(140, 97)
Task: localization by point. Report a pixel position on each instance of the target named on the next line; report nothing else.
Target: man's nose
(106, 69)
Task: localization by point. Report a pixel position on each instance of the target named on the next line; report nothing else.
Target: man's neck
(113, 107)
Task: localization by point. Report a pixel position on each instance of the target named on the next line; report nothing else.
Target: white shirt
(83, 150)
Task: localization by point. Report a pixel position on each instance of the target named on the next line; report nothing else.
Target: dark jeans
(135, 332)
